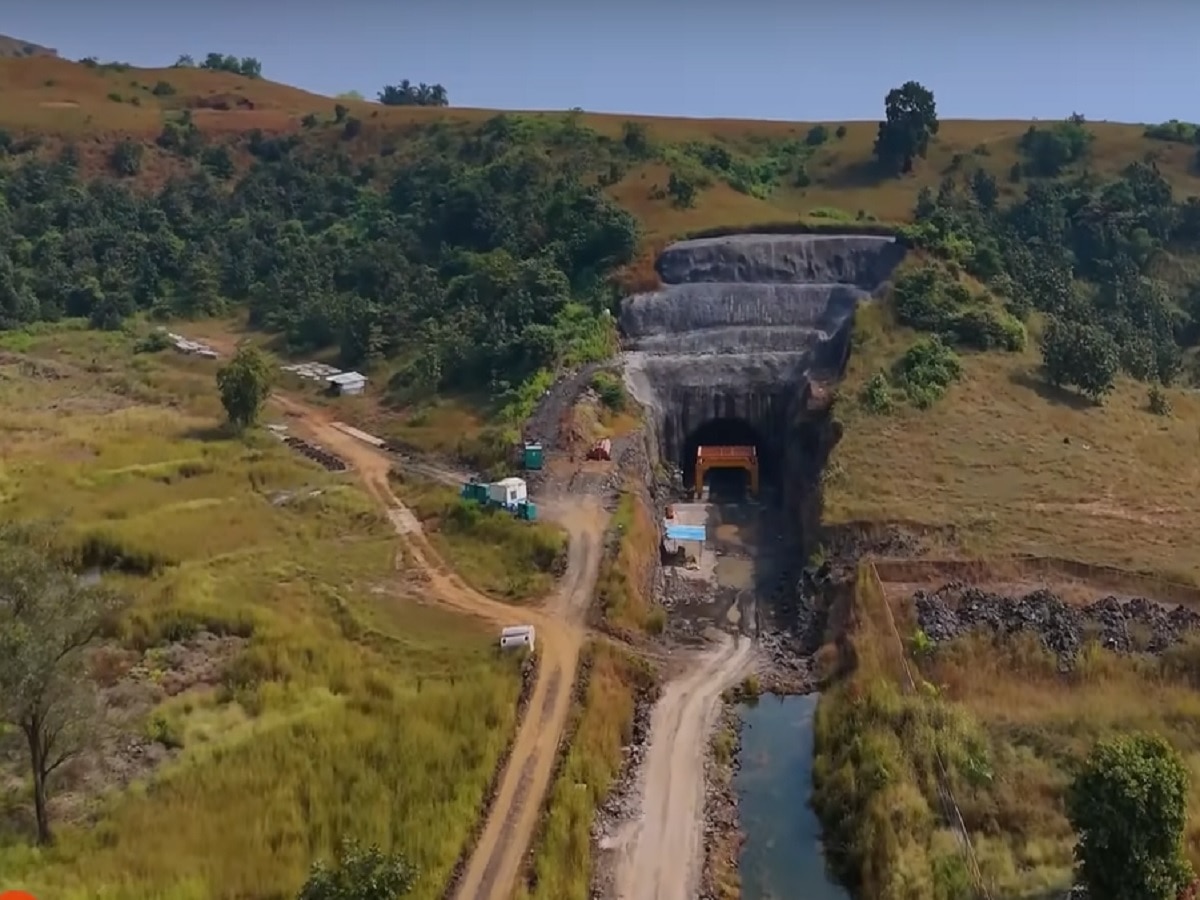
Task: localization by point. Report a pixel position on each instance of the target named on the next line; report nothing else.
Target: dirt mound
(1137, 625)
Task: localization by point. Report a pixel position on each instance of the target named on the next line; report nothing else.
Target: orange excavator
(726, 457)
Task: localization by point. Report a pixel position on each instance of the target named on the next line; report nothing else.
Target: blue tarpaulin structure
(685, 532)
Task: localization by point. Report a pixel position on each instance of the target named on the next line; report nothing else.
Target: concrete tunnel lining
(742, 329)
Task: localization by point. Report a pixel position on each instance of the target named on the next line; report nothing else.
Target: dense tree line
(463, 263)
(408, 94)
(223, 62)
(1095, 255)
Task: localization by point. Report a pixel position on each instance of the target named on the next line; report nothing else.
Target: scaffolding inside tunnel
(709, 457)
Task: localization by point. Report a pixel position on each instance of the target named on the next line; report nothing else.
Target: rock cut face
(741, 327)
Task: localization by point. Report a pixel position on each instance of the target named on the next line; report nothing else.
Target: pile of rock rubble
(1123, 626)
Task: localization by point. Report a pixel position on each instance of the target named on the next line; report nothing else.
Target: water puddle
(782, 857)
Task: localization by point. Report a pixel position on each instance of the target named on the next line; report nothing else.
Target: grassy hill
(462, 257)
(472, 192)
(93, 104)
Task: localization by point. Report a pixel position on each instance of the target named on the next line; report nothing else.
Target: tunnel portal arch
(731, 443)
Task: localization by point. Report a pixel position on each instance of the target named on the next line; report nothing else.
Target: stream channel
(782, 857)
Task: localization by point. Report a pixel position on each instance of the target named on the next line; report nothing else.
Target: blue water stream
(782, 857)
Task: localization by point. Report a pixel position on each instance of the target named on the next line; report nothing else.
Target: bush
(817, 135)
(126, 158)
(987, 328)
(1174, 131)
(610, 389)
(154, 342)
(163, 89)
(926, 370)
(876, 396)
(928, 299)
(1157, 402)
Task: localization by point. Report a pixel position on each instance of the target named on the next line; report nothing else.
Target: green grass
(562, 860)
(494, 551)
(624, 579)
(352, 711)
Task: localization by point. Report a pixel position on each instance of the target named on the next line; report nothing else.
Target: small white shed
(517, 636)
(347, 383)
(508, 491)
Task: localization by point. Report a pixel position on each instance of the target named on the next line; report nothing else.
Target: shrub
(817, 135)
(926, 370)
(876, 395)
(610, 389)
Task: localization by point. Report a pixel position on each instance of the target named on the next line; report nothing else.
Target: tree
(125, 159)
(244, 384)
(360, 874)
(1080, 354)
(48, 618)
(408, 94)
(1128, 806)
(911, 123)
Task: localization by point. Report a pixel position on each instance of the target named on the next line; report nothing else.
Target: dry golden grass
(1040, 723)
(1021, 467)
(353, 711)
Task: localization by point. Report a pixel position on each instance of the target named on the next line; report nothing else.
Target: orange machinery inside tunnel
(709, 457)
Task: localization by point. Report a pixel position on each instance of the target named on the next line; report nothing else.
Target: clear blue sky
(768, 59)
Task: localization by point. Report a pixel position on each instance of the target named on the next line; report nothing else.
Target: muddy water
(782, 858)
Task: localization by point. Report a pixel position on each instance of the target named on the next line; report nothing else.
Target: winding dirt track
(499, 855)
(661, 856)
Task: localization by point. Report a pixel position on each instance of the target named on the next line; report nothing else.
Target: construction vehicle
(508, 494)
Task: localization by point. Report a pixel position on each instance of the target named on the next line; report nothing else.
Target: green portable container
(527, 511)
(475, 490)
(531, 455)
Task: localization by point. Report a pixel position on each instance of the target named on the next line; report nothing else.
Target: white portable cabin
(347, 382)
(517, 636)
(508, 491)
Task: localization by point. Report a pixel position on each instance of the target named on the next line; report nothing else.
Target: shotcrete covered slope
(743, 322)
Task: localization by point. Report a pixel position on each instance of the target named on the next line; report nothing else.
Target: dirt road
(499, 855)
(661, 853)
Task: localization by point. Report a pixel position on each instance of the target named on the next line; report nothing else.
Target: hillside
(495, 229)
(1025, 386)
(15, 48)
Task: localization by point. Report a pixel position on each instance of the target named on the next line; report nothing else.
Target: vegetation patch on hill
(335, 707)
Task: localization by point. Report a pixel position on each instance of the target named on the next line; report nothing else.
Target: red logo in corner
(16, 895)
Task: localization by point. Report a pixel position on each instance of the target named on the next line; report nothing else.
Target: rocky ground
(722, 832)
(1123, 626)
(623, 804)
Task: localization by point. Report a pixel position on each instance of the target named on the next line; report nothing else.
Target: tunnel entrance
(729, 456)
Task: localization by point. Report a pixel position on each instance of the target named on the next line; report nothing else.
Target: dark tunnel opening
(729, 483)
